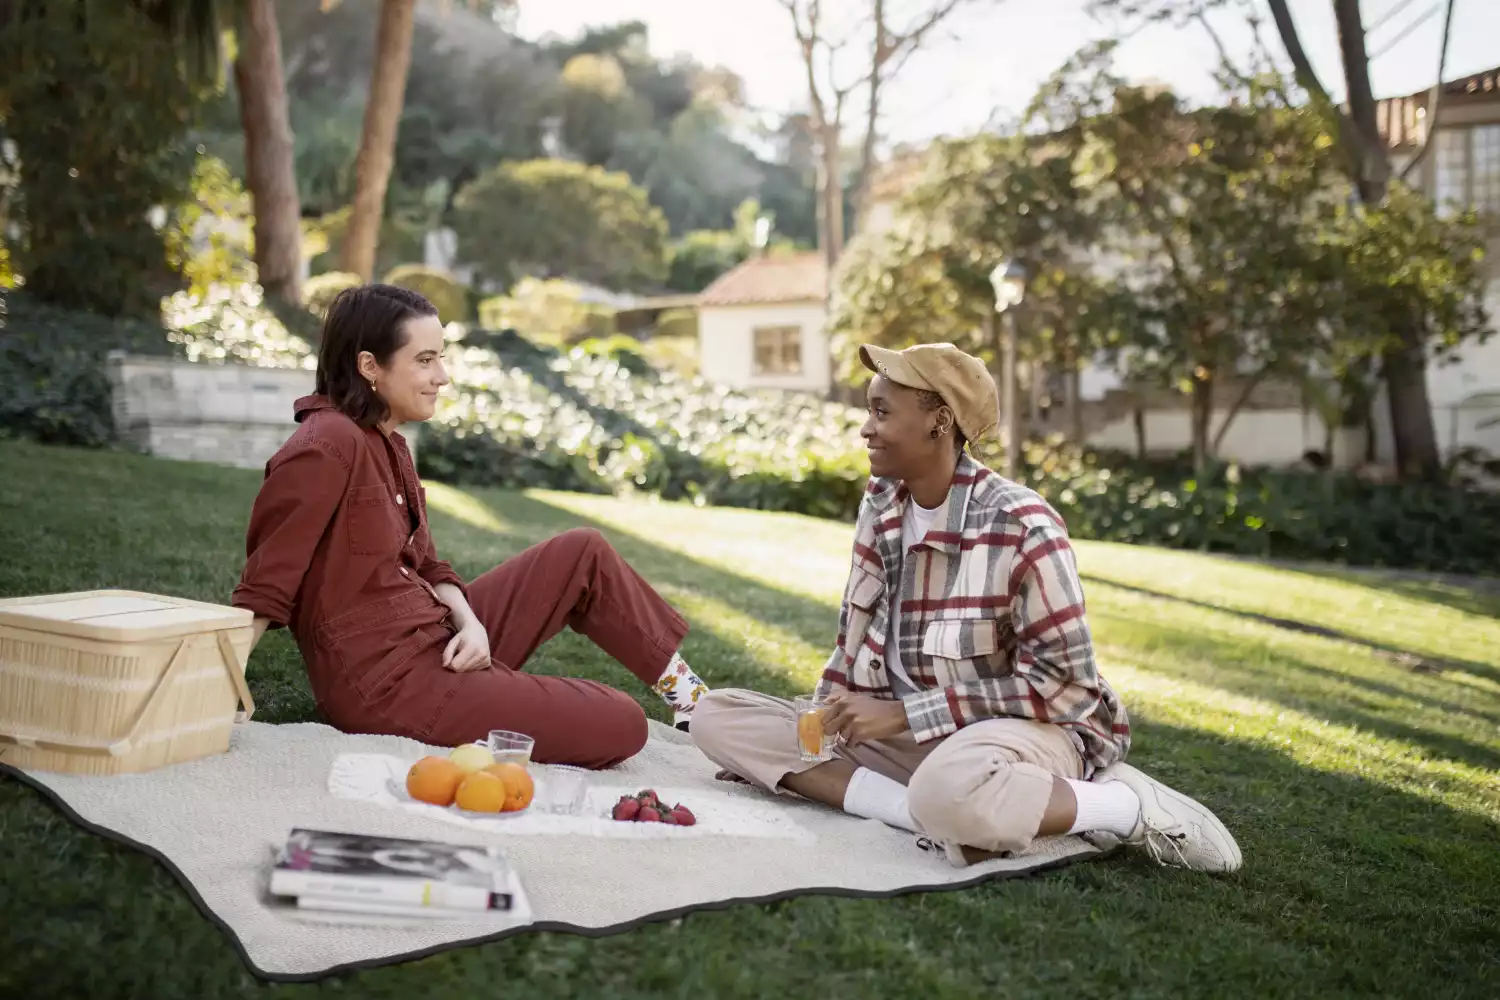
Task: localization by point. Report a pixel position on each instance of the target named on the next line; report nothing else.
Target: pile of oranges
(464, 780)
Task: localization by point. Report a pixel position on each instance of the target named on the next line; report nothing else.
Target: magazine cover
(396, 870)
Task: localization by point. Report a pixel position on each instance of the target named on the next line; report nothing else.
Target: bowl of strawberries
(646, 807)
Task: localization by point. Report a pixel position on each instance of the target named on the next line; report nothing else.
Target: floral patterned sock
(680, 688)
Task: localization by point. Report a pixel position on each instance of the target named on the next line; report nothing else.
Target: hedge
(599, 419)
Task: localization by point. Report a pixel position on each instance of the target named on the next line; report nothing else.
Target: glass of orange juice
(813, 744)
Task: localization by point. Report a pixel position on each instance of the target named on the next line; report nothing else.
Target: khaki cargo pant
(985, 786)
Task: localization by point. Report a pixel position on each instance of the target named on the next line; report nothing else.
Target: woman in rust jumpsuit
(338, 551)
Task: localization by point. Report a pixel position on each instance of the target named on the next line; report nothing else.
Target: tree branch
(1229, 67)
(1239, 403)
(1434, 101)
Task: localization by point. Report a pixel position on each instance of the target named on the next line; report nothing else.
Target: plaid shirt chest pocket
(962, 650)
(865, 641)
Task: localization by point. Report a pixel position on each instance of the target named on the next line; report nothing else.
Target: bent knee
(583, 540)
(620, 733)
(937, 798)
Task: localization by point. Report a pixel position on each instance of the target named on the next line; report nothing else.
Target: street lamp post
(1009, 283)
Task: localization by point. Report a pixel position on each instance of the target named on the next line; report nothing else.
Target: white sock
(1105, 807)
(874, 796)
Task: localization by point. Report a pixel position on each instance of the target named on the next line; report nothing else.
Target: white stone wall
(227, 414)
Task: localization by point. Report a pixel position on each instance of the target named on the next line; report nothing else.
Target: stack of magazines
(355, 874)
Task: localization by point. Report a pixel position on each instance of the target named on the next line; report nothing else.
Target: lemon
(472, 757)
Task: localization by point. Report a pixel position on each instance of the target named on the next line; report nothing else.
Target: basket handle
(237, 678)
(123, 745)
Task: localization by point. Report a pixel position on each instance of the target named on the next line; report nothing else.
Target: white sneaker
(1174, 829)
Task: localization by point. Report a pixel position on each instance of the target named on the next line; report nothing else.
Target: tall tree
(831, 85)
(1403, 363)
(378, 139)
(270, 162)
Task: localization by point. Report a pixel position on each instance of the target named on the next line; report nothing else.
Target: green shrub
(677, 323)
(596, 419)
(623, 350)
(209, 236)
(232, 323)
(524, 414)
(321, 289)
(549, 312)
(98, 107)
(445, 292)
(53, 382)
(1269, 513)
(559, 217)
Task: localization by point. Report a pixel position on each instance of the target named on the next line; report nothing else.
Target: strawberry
(648, 815)
(683, 815)
(669, 819)
(626, 809)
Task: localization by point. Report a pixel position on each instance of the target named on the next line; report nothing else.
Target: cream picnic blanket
(213, 822)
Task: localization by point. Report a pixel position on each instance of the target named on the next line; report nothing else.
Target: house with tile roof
(763, 325)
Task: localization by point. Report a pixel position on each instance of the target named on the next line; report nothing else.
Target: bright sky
(996, 52)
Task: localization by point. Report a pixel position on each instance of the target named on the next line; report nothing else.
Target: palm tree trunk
(377, 142)
(270, 172)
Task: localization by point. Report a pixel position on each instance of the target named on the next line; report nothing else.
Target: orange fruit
(435, 780)
(482, 792)
(519, 788)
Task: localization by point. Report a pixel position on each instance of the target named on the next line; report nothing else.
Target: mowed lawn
(1362, 789)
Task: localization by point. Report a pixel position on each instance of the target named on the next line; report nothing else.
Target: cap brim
(884, 361)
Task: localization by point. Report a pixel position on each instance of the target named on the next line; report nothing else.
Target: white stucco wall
(726, 345)
(1257, 437)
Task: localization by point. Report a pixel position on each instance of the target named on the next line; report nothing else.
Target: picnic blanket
(214, 822)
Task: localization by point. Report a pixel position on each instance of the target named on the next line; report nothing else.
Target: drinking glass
(509, 747)
(813, 744)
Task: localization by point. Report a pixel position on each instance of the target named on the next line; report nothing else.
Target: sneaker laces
(1165, 848)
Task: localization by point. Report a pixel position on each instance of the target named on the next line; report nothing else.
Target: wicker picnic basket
(116, 681)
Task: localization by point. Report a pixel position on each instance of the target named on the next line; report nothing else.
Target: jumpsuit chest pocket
(372, 519)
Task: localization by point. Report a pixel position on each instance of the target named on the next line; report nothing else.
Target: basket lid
(119, 615)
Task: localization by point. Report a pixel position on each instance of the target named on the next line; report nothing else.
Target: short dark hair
(929, 401)
(363, 318)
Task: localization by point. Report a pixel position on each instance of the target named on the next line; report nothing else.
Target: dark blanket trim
(57, 801)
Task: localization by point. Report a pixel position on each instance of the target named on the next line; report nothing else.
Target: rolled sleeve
(296, 503)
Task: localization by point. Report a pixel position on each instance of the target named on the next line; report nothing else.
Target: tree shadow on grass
(1365, 883)
(1404, 658)
(1478, 596)
(1314, 690)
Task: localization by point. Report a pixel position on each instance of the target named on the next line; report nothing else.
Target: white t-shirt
(914, 528)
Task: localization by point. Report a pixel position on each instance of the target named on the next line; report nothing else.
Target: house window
(778, 350)
(1468, 168)
(1486, 153)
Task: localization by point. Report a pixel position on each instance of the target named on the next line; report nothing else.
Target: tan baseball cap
(961, 379)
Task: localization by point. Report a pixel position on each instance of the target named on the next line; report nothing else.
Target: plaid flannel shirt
(992, 616)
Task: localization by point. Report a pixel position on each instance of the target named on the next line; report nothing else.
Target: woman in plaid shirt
(963, 690)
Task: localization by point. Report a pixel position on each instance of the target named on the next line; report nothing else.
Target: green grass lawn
(1364, 794)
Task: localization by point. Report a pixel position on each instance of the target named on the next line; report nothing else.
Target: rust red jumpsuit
(338, 551)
